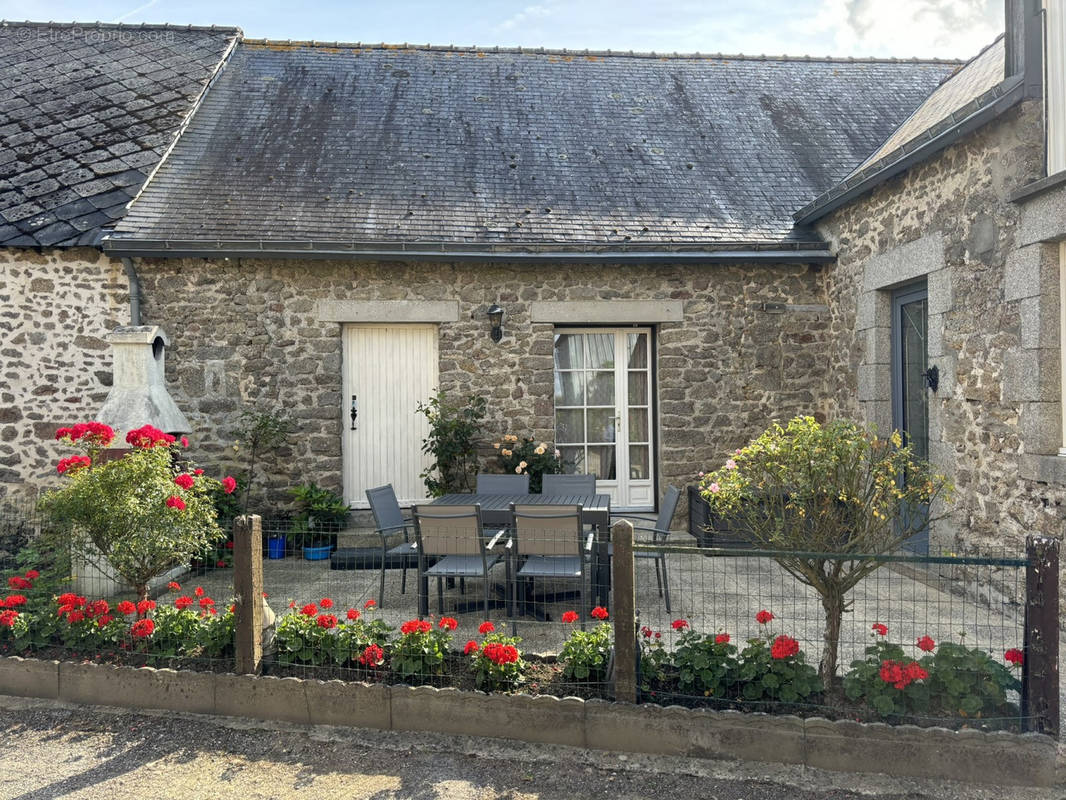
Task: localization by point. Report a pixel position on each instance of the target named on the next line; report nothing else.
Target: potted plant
(322, 514)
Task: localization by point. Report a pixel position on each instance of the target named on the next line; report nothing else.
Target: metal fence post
(624, 613)
(1040, 670)
(248, 592)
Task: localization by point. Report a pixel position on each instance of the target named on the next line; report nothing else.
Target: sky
(881, 28)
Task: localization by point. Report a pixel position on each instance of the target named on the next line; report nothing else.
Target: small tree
(262, 432)
(454, 431)
(828, 491)
(142, 512)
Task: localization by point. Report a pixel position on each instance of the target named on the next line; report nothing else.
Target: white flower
(518, 470)
(540, 450)
(523, 464)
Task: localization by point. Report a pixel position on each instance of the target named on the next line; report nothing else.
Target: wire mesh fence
(922, 639)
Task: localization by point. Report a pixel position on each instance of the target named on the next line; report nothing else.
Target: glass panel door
(910, 395)
(603, 421)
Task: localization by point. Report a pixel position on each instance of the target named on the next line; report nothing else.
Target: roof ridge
(451, 48)
(11, 23)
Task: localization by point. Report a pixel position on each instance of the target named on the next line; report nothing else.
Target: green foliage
(118, 510)
(321, 513)
(764, 677)
(586, 655)
(497, 664)
(420, 651)
(832, 489)
(260, 433)
(522, 456)
(454, 431)
(706, 666)
(301, 639)
(228, 505)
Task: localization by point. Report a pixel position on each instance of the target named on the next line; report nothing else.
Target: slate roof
(312, 143)
(86, 112)
(976, 88)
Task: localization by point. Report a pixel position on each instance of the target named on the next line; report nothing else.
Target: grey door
(910, 394)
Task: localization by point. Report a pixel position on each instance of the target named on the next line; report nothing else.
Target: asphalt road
(50, 750)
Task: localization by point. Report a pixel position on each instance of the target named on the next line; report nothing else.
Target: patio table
(496, 512)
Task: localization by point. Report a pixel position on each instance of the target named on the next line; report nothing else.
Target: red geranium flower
(15, 582)
(486, 627)
(185, 480)
(175, 502)
(1014, 656)
(207, 602)
(229, 484)
(353, 615)
(763, 617)
(197, 471)
(309, 610)
(415, 626)
(199, 591)
(103, 621)
(926, 643)
(373, 656)
(75, 616)
(144, 606)
(142, 628)
(679, 624)
(901, 675)
(448, 624)
(146, 436)
(325, 602)
(722, 638)
(32, 575)
(471, 647)
(125, 607)
(100, 607)
(72, 463)
(599, 612)
(14, 601)
(183, 602)
(784, 647)
(174, 586)
(879, 629)
(327, 621)
(7, 618)
(569, 616)
(369, 604)
(229, 545)
(184, 441)
(220, 563)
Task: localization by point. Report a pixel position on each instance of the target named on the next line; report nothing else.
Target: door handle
(354, 412)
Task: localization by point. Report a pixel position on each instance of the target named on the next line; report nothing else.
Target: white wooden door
(603, 420)
(388, 369)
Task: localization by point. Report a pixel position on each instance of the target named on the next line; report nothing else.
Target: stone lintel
(398, 311)
(583, 312)
(907, 262)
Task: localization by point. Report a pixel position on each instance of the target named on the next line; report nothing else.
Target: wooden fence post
(248, 592)
(1040, 670)
(624, 613)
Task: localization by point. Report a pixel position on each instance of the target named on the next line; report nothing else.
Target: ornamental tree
(830, 493)
(142, 513)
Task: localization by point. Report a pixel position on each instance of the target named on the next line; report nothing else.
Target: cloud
(539, 11)
(957, 28)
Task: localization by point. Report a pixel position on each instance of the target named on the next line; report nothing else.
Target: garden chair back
(502, 484)
(547, 530)
(388, 521)
(583, 484)
(449, 530)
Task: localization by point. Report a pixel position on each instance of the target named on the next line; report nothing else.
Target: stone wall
(250, 333)
(55, 367)
(993, 317)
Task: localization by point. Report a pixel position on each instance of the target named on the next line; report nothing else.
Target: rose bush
(528, 457)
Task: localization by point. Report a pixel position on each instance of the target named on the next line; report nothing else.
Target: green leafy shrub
(586, 655)
(706, 664)
(260, 433)
(420, 650)
(454, 431)
(140, 513)
(775, 668)
(528, 456)
(322, 513)
(888, 680)
(497, 662)
(834, 489)
(968, 682)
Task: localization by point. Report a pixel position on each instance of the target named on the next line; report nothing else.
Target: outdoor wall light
(495, 315)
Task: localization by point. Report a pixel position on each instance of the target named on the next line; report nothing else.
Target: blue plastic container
(317, 553)
(276, 547)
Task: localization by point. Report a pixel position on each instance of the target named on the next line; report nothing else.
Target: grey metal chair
(389, 520)
(553, 545)
(568, 484)
(454, 536)
(660, 530)
(502, 484)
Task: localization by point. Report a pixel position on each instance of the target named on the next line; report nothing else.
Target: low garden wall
(974, 756)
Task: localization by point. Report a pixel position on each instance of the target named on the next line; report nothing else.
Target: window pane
(601, 350)
(637, 345)
(638, 424)
(568, 353)
(638, 462)
(569, 388)
(638, 388)
(913, 323)
(573, 459)
(601, 463)
(601, 425)
(569, 425)
(601, 388)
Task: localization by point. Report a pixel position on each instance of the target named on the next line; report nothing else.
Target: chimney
(1024, 43)
(139, 394)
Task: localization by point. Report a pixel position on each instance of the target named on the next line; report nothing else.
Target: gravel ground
(53, 750)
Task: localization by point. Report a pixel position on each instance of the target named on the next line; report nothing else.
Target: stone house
(684, 248)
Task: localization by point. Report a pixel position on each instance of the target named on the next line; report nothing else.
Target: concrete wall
(993, 326)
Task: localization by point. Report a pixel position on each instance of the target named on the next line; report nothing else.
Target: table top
(598, 503)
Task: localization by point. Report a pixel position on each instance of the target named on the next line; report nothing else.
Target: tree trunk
(833, 603)
(142, 591)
